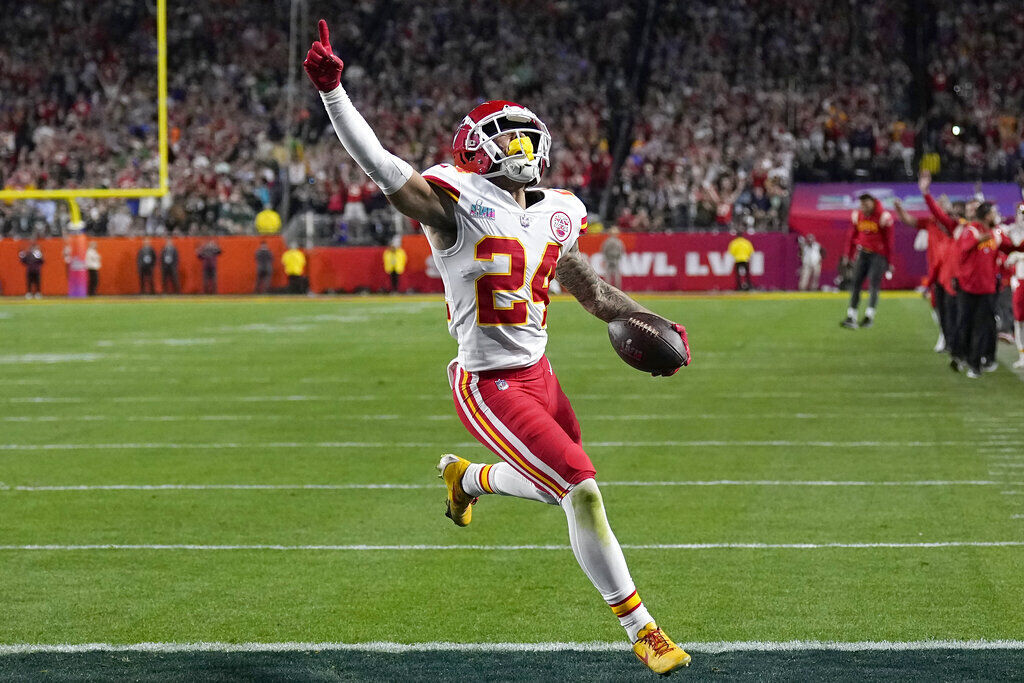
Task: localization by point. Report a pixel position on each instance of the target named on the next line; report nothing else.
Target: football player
(498, 243)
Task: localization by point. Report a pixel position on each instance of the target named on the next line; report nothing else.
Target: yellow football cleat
(459, 506)
(657, 651)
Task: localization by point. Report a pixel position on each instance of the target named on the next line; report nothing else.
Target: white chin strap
(520, 170)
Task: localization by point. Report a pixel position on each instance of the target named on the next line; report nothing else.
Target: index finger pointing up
(325, 35)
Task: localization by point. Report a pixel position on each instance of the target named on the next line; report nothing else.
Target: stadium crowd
(665, 116)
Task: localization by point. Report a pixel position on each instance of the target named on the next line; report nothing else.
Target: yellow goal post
(131, 192)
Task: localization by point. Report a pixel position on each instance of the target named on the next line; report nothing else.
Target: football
(648, 343)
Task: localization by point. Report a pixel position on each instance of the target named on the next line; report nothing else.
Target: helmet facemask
(527, 155)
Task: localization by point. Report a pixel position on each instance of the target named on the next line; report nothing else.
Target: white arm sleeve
(385, 169)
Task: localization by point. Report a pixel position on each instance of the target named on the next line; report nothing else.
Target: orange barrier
(236, 267)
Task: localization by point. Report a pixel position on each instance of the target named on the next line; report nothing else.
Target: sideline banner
(662, 262)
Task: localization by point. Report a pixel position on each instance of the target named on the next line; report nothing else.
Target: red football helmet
(475, 151)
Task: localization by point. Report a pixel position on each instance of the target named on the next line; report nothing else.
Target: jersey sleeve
(447, 178)
(577, 211)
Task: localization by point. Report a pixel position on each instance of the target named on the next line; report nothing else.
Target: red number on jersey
(542, 278)
(489, 284)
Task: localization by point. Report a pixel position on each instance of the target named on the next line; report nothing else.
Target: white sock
(599, 555)
(870, 312)
(851, 313)
(503, 479)
(1018, 332)
(935, 317)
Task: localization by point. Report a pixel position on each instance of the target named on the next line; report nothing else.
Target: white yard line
(407, 487)
(381, 647)
(514, 548)
(47, 358)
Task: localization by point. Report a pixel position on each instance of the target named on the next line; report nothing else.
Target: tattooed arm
(601, 299)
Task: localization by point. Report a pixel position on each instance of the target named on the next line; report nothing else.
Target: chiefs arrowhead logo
(561, 226)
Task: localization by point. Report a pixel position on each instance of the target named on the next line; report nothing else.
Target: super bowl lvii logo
(482, 211)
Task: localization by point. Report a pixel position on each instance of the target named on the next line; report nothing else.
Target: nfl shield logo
(524, 221)
(501, 384)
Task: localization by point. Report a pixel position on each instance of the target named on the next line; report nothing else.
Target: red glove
(686, 345)
(322, 66)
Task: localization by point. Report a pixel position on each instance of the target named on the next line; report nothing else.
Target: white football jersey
(497, 274)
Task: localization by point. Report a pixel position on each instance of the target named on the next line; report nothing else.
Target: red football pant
(523, 416)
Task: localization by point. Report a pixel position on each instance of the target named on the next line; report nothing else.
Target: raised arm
(947, 222)
(404, 187)
(601, 299)
(902, 214)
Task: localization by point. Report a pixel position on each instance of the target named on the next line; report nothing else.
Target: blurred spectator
(395, 259)
(741, 249)
(66, 252)
(93, 262)
(32, 258)
(294, 262)
(170, 281)
(264, 268)
(208, 255)
(811, 256)
(612, 250)
(145, 262)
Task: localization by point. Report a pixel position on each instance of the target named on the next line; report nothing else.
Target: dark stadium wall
(236, 268)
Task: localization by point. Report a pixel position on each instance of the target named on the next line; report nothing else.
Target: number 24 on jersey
(490, 284)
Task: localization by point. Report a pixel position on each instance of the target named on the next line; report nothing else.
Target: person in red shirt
(976, 248)
(870, 241)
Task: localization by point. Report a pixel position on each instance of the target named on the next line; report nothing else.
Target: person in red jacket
(938, 240)
(976, 248)
(870, 241)
(953, 223)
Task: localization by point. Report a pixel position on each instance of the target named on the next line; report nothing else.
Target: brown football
(647, 342)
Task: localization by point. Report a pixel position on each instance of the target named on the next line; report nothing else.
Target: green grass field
(785, 430)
